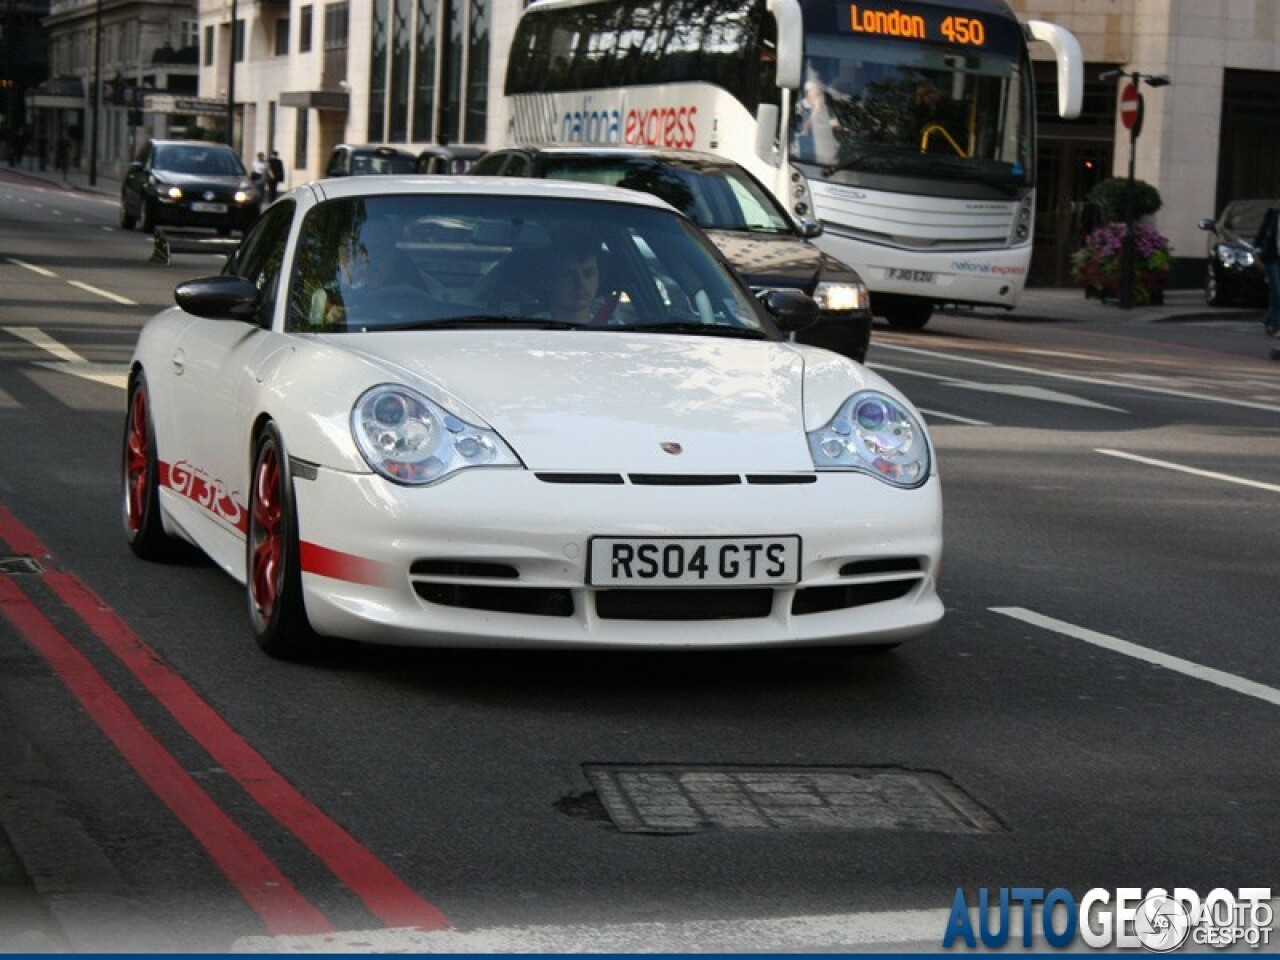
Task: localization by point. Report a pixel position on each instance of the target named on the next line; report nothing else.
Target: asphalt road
(1097, 709)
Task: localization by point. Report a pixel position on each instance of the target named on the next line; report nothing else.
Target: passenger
(574, 280)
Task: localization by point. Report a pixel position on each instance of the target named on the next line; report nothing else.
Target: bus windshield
(882, 107)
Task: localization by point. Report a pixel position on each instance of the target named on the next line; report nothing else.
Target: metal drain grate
(16, 565)
(685, 799)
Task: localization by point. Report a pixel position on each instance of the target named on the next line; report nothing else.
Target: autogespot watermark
(1126, 918)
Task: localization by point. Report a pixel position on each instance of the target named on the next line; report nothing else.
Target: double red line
(262, 884)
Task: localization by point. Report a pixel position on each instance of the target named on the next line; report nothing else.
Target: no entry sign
(1131, 108)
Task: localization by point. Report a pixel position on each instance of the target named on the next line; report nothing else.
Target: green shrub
(1109, 197)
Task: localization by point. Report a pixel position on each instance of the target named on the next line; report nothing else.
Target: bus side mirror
(767, 132)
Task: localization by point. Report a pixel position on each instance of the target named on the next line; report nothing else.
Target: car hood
(618, 402)
(769, 260)
(195, 180)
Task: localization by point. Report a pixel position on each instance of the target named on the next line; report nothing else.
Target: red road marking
(385, 894)
(267, 891)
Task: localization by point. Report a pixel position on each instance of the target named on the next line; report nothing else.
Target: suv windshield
(714, 196)
(198, 160)
(423, 262)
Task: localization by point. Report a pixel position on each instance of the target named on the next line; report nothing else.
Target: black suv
(1235, 273)
(741, 217)
(349, 160)
(189, 183)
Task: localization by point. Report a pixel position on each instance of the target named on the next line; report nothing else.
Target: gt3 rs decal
(205, 491)
(345, 566)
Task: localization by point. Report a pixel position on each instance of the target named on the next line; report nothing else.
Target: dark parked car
(188, 183)
(1234, 274)
(450, 159)
(350, 160)
(738, 213)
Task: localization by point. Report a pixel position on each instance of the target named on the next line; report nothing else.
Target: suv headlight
(411, 440)
(874, 433)
(1235, 256)
(841, 297)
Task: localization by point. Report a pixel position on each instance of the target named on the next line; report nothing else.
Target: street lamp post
(97, 94)
(1132, 111)
(231, 81)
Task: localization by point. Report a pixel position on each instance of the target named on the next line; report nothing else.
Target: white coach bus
(905, 129)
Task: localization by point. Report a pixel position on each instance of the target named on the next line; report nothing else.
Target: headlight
(836, 297)
(172, 193)
(873, 433)
(1234, 256)
(244, 196)
(409, 439)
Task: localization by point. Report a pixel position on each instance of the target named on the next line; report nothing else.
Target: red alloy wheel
(137, 457)
(267, 554)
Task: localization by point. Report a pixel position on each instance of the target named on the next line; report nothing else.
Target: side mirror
(791, 310)
(219, 298)
(1207, 224)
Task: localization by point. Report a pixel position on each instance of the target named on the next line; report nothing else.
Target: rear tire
(904, 313)
(273, 573)
(127, 220)
(140, 469)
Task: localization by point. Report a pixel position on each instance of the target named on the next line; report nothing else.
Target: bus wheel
(908, 313)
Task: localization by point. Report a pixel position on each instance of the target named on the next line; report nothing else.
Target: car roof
(203, 144)
(401, 184)
(623, 153)
(383, 148)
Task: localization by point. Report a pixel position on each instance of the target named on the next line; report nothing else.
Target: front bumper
(498, 557)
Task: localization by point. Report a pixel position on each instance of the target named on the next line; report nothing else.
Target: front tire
(140, 468)
(127, 220)
(147, 217)
(907, 313)
(1215, 291)
(272, 567)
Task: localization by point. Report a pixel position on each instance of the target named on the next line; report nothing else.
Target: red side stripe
(343, 566)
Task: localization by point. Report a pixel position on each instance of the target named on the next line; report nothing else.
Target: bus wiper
(706, 329)
(486, 320)
(848, 163)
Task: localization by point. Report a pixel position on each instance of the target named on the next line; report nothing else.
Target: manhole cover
(645, 798)
(12, 565)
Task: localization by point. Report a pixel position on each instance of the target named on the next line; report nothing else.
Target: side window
(261, 255)
(334, 169)
(489, 165)
(518, 166)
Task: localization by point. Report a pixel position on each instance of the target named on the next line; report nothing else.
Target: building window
(378, 73)
(282, 37)
(304, 29)
(190, 33)
(208, 46)
(477, 108)
(335, 26)
(424, 87)
(300, 139)
(237, 42)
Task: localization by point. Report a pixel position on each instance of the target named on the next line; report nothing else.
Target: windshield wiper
(706, 329)
(484, 320)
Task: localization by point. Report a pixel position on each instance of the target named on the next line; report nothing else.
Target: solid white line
(1074, 378)
(834, 933)
(1209, 474)
(103, 293)
(1187, 668)
(37, 337)
(32, 267)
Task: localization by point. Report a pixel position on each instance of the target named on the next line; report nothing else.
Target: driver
(369, 262)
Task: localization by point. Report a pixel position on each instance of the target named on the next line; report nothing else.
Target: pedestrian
(1267, 245)
(259, 172)
(275, 174)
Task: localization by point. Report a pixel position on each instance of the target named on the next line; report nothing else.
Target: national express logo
(674, 127)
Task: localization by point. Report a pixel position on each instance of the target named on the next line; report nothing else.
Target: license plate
(693, 561)
(201, 207)
(910, 276)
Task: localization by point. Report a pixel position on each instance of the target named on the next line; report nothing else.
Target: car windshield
(379, 162)
(714, 196)
(444, 261)
(1244, 217)
(198, 160)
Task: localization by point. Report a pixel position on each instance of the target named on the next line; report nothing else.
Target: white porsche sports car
(489, 412)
